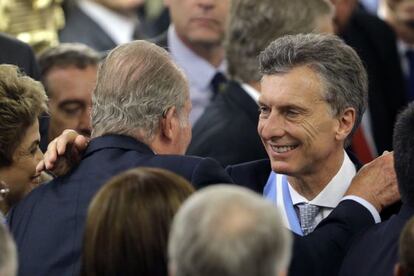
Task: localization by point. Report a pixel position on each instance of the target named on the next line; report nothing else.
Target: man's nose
(273, 126)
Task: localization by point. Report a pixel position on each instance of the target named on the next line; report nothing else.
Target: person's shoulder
(15, 44)
(200, 171)
(253, 174)
(256, 165)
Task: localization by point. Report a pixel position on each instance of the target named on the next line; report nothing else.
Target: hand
(63, 153)
(376, 182)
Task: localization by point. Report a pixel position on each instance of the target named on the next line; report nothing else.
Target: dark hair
(22, 100)
(128, 223)
(403, 145)
(406, 248)
(65, 55)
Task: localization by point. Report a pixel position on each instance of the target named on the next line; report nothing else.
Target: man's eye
(72, 111)
(291, 113)
(264, 110)
(34, 150)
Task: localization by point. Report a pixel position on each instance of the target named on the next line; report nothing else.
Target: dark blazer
(227, 130)
(48, 224)
(79, 27)
(13, 51)
(321, 252)
(375, 251)
(375, 43)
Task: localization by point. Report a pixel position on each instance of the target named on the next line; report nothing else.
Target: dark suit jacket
(321, 252)
(227, 130)
(375, 43)
(79, 27)
(13, 51)
(375, 251)
(48, 224)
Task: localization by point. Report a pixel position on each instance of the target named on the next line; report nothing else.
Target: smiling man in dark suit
(139, 118)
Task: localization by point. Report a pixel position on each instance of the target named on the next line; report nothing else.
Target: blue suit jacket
(48, 224)
(375, 251)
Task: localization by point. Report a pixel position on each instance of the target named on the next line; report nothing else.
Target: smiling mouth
(283, 149)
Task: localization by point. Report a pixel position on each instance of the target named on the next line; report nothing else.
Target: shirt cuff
(367, 205)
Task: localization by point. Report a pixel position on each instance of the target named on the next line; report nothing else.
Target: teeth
(283, 149)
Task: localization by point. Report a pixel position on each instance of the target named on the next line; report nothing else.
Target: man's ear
(168, 123)
(346, 123)
(398, 270)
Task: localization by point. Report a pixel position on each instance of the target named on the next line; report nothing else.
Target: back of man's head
(228, 231)
(245, 36)
(406, 251)
(137, 84)
(403, 145)
(8, 256)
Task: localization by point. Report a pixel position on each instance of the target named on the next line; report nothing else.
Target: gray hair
(137, 84)
(65, 55)
(227, 230)
(337, 64)
(8, 256)
(248, 34)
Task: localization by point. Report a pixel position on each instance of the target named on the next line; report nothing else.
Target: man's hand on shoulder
(376, 182)
(63, 153)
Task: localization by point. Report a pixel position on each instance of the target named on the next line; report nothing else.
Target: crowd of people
(251, 137)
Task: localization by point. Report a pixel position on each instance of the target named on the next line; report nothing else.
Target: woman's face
(21, 177)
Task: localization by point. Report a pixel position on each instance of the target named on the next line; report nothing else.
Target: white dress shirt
(332, 194)
(199, 73)
(119, 28)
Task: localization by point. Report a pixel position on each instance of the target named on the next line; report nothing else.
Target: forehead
(71, 81)
(301, 85)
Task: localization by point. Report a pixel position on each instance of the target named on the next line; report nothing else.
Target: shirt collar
(251, 91)
(332, 194)
(199, 71)
(119, 27)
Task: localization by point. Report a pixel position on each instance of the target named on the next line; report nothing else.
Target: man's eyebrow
(67, 102)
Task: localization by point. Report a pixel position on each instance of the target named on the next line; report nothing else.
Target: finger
(81, 142)
(68, 136)
(40, 166)
(50, 156)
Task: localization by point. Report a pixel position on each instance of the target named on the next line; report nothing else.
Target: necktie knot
(307, 214)
(217, 83)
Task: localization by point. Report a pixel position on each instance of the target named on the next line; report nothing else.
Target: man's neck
(212, 53)
(310, 185)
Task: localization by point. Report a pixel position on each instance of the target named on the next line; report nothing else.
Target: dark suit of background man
(375, 252)
(227, 131)
(375, 43)
(139, 118)
(101, 24)
(195, 42)
(13, 51)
